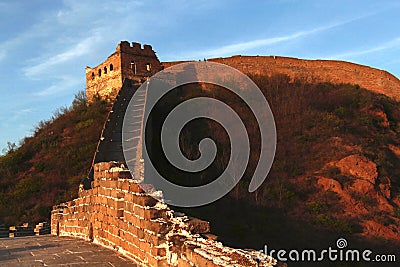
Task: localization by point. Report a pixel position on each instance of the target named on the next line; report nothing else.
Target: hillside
(337, 160)
(314, 71)
(47, 168)
(335, 173)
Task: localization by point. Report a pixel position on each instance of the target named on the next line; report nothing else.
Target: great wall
(114, 211)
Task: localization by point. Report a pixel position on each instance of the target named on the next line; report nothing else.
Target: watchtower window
(133, 66)
(92, 75)
(148, 67)
(105, 70)
(111, 67)
(99, 72)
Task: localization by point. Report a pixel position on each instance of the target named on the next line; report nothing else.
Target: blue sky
(45, 45)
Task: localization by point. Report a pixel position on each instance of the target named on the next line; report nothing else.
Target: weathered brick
(145, 246)
(135, 188)
(129, 197)
(184, 263)
(158, 262)
(198, 226)
(157, 251)
(123, 184)
(153, 239)
(126, 174)
(199, 260)
(140, 233)
(145, 200)
(156, 226)
(129, 206)
(152, 213)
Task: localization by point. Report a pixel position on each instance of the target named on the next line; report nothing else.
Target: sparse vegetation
(47, 168)
(50, 164)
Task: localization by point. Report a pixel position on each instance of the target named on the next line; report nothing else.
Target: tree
(11, 147)
(79, 100)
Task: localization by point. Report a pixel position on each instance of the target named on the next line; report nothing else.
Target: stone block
(140, 233)
(159, 262)
(135, 188)
(159, 227)
(198, 226)
(98, 175)
(129, 197)
(105, 166)
(123, 184)
(123, 225)
(95, 190)
(145, 246)
(129, 206)
(152, 213)
(115, 213)
(199, 260)
(145, 200)
(157, 251)
(117, 193)
(133, 230)
(155, 240)
(184, 263)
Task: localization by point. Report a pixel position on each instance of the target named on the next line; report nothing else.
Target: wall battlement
(118, 214)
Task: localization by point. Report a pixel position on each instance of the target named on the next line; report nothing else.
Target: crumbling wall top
(135, 48)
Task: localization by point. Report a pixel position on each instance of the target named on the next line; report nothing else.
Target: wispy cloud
(43, 64)
(245, 46)
(21, 113)
(394, 43)
(64, 85)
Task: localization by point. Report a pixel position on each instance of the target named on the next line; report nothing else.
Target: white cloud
(45, 63)
(245, 46)
(65, 84)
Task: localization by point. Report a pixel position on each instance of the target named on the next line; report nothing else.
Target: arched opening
(111, 67)
(92, 75)
(58, 229)
(105, 70)
(148, 67)
(99, 72)
(91, 232)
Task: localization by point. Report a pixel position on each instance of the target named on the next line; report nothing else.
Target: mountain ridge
(314, 70)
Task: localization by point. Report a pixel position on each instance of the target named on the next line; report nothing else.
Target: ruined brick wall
(129, 61)
(118, 214)
(105, 80)
(336, 72)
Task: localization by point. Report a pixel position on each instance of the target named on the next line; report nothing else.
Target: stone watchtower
(128, 62)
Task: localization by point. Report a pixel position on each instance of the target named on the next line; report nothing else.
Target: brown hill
(315, 71)
(335, 173)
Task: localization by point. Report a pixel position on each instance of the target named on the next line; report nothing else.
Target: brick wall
(333, 71)
(118, 214)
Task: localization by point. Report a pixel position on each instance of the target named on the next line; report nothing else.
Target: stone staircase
(42, 228)
(4, 231)
(109, 147)
(23, 230)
